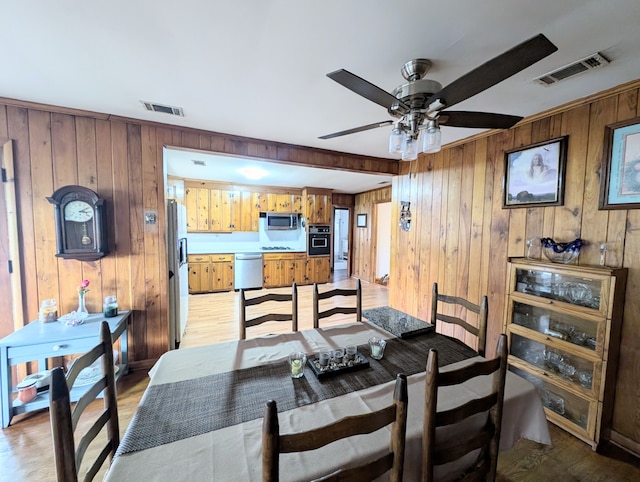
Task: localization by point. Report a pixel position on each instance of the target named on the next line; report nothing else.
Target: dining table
(200, 417)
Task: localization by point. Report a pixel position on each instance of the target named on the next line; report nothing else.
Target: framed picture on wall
(534, 175)
(620, 179)
(361, 220)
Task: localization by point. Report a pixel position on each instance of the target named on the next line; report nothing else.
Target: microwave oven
(282, 221)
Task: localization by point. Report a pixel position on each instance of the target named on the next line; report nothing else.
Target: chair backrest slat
(68, 457)
(438, 451)
(346, 310)
(274, 443)
(245, 302)
(460, 304)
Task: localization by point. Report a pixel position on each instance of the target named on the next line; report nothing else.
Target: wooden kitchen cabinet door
(222, 276)
(231, 215)
(249, 211)
(271, 272)
(197, 203)
(199, 277)
(300, 269)
(215, 209)
(319, 269)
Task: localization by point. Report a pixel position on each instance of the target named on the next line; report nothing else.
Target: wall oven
(319, 240)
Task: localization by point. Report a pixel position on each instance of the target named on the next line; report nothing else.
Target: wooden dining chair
(274, 443)
(463, 306)
(317, 296)
(64, 418)
(281, 297)
(437, 449)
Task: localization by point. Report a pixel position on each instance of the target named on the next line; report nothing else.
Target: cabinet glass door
(579, 331)
(560, 401)
(576, 290)
(567, 366)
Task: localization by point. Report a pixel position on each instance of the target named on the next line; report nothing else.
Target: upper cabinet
(222, 208)
(317, 205)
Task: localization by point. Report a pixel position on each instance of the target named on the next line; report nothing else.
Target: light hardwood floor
(25, 446)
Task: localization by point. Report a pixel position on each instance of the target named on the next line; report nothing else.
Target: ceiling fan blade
(357, 129)
(483, 120)
(495, 70)
(366, 89)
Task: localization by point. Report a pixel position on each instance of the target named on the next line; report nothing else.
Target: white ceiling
(224, 168)
(257, 68)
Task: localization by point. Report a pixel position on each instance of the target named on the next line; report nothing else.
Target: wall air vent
(166, 109)
(588, 63)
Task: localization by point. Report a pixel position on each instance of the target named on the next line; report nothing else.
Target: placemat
(397, 322)
(175, 411)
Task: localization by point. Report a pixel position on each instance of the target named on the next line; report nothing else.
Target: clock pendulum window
(80, 223)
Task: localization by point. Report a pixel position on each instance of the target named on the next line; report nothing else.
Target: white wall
(383, 239)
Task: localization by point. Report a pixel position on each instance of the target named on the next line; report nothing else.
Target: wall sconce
(405, 216)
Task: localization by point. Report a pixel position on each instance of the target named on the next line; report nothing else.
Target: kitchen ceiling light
(252, 172)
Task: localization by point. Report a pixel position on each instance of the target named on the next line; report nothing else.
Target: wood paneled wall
(120, 159)
(461, 236)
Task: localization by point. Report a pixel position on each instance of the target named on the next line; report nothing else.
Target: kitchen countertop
(216, 251)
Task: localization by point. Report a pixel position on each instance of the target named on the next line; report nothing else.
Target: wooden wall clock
(80, 220)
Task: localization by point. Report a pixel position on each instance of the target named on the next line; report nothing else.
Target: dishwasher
(248, 271)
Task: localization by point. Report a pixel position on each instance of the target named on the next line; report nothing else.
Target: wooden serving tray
(335, 369)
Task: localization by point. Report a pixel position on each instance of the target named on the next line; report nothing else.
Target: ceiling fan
(421, 104)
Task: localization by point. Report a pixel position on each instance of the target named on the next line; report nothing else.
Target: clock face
(78, 211)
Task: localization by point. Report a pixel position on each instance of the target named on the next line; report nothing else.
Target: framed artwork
(361, 220)
(620, 179)
(534, 175)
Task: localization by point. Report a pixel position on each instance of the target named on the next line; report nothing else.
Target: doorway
(340, 240)
(383, 240)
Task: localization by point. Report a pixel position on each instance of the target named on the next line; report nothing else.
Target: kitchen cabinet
(282, 269)
(250, 210)
(230, 211)
(210, 272)
(563, 323)
(300, 269)
(278, 269)
(319, 269)
(284, 203)
(197, 200)
(317, 206)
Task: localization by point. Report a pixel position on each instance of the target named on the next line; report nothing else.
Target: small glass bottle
(48, 311)
(110, 306)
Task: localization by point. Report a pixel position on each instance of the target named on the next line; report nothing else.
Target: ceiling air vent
(588, 63)
(166, 109)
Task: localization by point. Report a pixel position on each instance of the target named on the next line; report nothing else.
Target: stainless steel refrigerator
(178, 271)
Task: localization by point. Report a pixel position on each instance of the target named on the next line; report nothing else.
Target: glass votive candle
(376, 346)
(323, 358)
(338, 355)
(351, 351)
(297, 361)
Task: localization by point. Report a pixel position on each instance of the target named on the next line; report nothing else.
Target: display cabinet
(563, 323)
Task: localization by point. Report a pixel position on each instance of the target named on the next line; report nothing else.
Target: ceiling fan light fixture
(432, 137)
(410, 149)
(396, 140)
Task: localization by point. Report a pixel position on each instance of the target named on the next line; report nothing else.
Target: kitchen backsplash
(239, 242)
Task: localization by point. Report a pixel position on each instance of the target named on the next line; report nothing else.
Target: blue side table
(40, 341)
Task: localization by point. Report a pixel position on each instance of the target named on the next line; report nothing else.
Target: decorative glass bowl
(561, 252)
